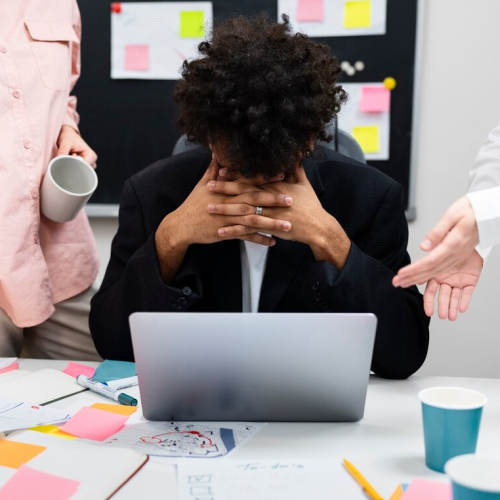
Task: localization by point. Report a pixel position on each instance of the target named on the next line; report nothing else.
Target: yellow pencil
(362, 481)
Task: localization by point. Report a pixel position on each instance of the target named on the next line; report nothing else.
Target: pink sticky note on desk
(90, 423)
(137, 57)
(421, 489)
(375, 99)
(28, 483)
(310, 11)
(11, 367)
(75, 369)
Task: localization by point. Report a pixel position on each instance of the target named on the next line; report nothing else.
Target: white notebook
(100, 470)
(40, 386)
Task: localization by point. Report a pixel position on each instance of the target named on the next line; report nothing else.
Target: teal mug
(474, 477)
(451, 418)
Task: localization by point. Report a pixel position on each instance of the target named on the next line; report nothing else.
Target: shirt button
(35, 239)
(34, 193)
(177, 307)
(16, 93)
(3, 49)
(182, 301)
(318, 297)
(316, 286)
(186, 290)
(27, 144)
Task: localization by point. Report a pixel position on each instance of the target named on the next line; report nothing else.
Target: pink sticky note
(375, 99)
(310, 11)
(90, 423)
(11, 367)
(420, 489)
(75, 369)
(137, 57)
(28, 483)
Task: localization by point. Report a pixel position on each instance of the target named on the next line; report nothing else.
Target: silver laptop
(300, 367)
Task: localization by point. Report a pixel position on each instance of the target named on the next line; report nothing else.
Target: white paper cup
(68, 184)
(474, 477)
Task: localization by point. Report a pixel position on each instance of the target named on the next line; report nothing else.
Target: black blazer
(368, 205)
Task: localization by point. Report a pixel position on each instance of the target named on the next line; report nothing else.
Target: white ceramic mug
(68, 184)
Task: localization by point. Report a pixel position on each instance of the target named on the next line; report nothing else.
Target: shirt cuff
(486, 207)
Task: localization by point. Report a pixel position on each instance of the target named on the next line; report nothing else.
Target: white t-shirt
(253, 266)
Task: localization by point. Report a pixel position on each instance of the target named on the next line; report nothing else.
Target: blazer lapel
(223, 262)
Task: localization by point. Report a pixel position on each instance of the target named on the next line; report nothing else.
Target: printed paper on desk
(75, 369)
(333, 18)
(251, 479)
(28, 483)
(170, 30)
(429, 490)
(185, 439)
(15, 415)
(310, 11)
(93, 424)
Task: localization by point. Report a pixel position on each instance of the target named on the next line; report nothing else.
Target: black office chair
(342, 143)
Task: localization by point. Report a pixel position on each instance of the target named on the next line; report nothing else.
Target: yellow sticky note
(121, 409)
(368, 138)
(192, 24)
(53, 431)
(358, 14)
(14, 454)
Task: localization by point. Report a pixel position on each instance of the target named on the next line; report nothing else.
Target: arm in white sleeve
(484, 192)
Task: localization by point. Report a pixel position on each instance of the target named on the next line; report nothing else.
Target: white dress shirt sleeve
(484, 192)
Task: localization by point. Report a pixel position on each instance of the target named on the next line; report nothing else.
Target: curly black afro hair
(261, 91)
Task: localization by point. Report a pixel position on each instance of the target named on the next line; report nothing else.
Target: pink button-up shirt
(41, 262)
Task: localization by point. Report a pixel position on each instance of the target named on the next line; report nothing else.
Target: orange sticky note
(398, 493)
(120, 409)
(137, 57)
(28, 483)
(98, 425)
(14, 454)
(75, 369)
(310, 11)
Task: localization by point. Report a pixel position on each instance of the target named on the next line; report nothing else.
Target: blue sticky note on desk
(114, 370)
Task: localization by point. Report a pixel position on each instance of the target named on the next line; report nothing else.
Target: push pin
(116, 7)
(390, 83)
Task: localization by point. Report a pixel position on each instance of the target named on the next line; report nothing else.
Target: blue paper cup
(474, 477)
(451, 417)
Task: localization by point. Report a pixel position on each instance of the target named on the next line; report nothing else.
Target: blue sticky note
(114, 370)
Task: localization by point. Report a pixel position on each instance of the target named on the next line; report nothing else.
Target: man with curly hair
(251, 222)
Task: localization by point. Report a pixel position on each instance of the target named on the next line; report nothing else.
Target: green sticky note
(114, 370)
(368, 138)
(358, 14)
(192, 24)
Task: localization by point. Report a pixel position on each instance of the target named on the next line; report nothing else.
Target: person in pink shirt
(46, 268)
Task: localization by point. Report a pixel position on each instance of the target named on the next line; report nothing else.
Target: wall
(460, 103)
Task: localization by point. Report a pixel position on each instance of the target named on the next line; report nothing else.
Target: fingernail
(211, 207)
(222, 232)
(286, 226)
(223, 171)
(272, 243)
(211, 184)
(281, 177)
(426, 244)
(288, 200)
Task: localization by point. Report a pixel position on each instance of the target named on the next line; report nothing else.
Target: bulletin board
(130, 123)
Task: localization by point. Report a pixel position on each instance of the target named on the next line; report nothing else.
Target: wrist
(170, 237)
(330, 242)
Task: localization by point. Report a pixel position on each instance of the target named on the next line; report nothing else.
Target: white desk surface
(386, 446)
